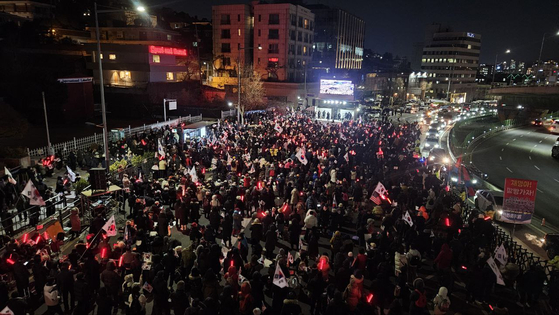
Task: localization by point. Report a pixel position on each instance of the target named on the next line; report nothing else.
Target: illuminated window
(306, 24)
(304, 50)
(112, 57)
(170, 76)
(156, 59)
(124, 75)
(169, 37)
(469, 46)
(101, 56)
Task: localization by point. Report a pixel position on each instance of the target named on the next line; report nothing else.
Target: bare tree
(252, 92)
(424, 86)
(192, 68)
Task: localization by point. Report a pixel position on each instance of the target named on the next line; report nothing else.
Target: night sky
(394, 25)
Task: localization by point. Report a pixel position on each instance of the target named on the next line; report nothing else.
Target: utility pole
(47, 124)
(239, 87)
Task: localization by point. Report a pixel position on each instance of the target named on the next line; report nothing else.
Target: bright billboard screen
(336, 87)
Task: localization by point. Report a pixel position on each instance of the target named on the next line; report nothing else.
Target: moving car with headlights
(537, 122)
(438, 156)
(433, 132)
(431, 142)
(555, 150)
(554, 127)
(490, 202)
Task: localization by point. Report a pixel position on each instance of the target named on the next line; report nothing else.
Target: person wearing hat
(354, 290)
(257, 231)
(291, 305)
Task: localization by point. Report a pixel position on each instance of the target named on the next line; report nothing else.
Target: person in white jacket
(310, 222)
(52, 299)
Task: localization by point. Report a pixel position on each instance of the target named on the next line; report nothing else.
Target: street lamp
(495, 66)
(541, 47)
(101, 84)
(239, 81)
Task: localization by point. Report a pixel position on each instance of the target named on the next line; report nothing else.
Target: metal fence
(56, 208)
(228, 113)
(86, 142)
(523, 257)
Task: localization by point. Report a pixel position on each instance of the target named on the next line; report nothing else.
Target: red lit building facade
(276, 39)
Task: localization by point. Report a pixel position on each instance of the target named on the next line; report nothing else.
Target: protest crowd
(284, 215)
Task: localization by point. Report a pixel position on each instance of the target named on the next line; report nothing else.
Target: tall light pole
(541, 47)
(101, 84)
(495, 66)
(239, 80)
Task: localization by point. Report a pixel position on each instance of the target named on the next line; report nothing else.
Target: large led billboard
(336, 87)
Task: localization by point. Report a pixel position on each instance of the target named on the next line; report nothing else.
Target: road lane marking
(535, 145)
(530, 157)
(541, 141)
(507, 143)
(531, 150)
(509, 169)
(541, 192)
(546, 137)
(537, 167)
(503, 149)
(521, 136)
(557, 180)
(514, 139)
(500, 158)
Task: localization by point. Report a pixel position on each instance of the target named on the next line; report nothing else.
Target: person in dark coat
(160, 294)
(40, 274)
(162, 224)
(179, 299)
(294, 233)
(256, 230)
(271, 241)
(111, 281)
(228, 305)
(227, 229)
(82, 294)
(65, 282)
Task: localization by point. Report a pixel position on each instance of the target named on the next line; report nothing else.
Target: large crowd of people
(282, 216)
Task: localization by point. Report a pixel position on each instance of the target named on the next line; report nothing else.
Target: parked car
(551, 244)
(554, 127)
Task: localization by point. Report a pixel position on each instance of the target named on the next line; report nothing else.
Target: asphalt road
(524, 153)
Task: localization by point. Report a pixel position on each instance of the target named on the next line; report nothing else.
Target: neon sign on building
(161, 50)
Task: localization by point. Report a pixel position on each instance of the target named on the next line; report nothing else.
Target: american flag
(375, 198)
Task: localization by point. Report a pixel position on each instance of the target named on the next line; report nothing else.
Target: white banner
(31, 192)
(408, 219)
(380, 189)
(301, 156)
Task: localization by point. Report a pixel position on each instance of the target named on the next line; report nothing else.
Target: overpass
(543, 97)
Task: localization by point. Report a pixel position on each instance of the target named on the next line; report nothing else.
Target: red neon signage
(161, 50)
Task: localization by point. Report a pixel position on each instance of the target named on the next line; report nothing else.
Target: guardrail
(86, 142)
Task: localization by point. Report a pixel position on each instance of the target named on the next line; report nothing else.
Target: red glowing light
(369, 298)
(120, 261)
(487, 218)
(10, 261)
(46, 235)
(464, 267)
(232, 263)
(321, 265)
(25, 236)
(161, 50)
(490, 307)
(38, 239)
(144, 142)
(103, 252)
(447, 222)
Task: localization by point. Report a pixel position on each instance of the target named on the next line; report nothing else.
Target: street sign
(519, 200)
(172, 104)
